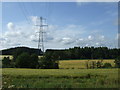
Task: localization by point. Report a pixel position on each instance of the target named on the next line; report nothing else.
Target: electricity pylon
(41, 36)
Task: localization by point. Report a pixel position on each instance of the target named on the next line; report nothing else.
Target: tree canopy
(86, 53)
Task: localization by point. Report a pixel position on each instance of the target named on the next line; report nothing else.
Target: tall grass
(60, 78)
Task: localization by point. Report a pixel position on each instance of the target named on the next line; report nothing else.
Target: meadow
(60, 78)
(72, 74)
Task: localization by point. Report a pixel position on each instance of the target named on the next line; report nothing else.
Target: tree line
(71, 53)
(23, 59)
(86, 53)
(50, 60)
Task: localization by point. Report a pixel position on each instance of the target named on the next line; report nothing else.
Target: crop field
(60, 78)
(2, 56)
(10, 56)
(80, 64)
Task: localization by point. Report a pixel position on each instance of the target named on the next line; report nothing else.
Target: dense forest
(71, 53)
(85, 53)
(11, 51)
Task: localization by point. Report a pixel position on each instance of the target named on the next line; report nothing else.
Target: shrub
(92, 64)
(99, 64)
(6, 62)
(34, 61)
(107, 65)
(87, 64)
(117, 62)
(24, 60)
(49, 61)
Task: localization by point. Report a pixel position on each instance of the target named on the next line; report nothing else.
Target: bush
(49, 61)
(117, 62)
(107, 65)
(99, 64)
(34, 61)
(92, 64)
(6, 62)
(46, 63)
(24, 60)
(87, 64)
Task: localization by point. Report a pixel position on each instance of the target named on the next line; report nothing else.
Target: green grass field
(72, 74)
(60, 78)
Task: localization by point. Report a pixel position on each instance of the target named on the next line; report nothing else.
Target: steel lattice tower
(41, 36)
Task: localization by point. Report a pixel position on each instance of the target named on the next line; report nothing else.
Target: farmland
(80, 64)
(60, 78)
(10, 56)
(72, 74)
(2, 56)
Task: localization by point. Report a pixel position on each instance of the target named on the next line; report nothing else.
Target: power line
(32, 6)
(24, 12)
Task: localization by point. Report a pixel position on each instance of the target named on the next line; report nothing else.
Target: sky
(70, 24)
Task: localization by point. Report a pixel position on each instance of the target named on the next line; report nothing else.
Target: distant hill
(11, 51)
(71, 53)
